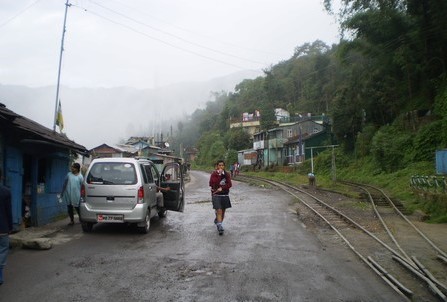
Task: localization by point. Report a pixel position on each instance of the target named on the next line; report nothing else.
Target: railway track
(412, 265)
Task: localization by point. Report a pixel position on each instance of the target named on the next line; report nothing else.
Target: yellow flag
(60, 118)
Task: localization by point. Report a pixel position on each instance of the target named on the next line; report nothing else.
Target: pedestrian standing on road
(5, 224)
(237, 168)
(71, 191)
(220, 183)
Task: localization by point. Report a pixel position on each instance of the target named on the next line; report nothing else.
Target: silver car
(129, 190)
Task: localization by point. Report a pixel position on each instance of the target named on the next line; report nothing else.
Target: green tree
(231, 158)
(217, 152)
(390, 63)
(211, 148)
(238, 139)
(388, 146)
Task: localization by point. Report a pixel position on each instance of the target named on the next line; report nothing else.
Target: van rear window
(112, 174)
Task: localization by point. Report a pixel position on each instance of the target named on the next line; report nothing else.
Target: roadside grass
(396, 184)
(364, 206)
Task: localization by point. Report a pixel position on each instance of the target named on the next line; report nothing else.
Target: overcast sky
(143, 44)
(152, 43)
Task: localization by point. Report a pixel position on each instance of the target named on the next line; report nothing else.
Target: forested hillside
(383, 85)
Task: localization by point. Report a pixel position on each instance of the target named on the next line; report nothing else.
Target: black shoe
(220, 229)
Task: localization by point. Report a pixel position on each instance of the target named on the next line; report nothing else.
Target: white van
(127, 190)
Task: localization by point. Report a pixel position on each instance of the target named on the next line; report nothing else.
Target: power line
(162, 41)
(18, 14)
(194, 32)
(175, 36)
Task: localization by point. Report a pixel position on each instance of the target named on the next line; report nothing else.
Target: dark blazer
(5, 210)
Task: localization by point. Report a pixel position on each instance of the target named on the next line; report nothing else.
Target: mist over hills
(93, 116)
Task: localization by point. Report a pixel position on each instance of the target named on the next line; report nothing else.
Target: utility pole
(67, 5)
(333, 158)
(312, 160)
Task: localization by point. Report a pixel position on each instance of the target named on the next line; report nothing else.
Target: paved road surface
(266, 254)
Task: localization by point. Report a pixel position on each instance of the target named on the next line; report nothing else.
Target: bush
(323, 163)
(388, 147)
(426, 141)
(231, 157)
(364, 139)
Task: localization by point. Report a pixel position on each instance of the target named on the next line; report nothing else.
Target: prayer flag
(60, 118)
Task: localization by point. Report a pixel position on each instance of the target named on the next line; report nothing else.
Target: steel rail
(402, 291)
(385, 226)
(394, 252)
(423, 277)
(408, 263)
(416, 265)
(441, 252)
(429, 275)
(391, 277)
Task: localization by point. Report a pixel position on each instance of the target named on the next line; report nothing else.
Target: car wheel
(162, 212)
(87, 227)
(147, 224)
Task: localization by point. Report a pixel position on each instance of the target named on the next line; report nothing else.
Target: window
(154, 174)
(172, 173)
(112, 174)
(150, 175)
(143, 171)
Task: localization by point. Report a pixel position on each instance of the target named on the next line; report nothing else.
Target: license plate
(110, 218)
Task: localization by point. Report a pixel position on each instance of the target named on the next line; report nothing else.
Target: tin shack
(34, 161)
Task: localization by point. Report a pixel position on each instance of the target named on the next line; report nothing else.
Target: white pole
(312, 159)
(334, 174)
(60, 65)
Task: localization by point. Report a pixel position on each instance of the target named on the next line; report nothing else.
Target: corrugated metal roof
(126, 148)
(35, 132)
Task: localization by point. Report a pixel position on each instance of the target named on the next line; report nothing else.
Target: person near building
(5, 225)
(71, 190)
(220, 183)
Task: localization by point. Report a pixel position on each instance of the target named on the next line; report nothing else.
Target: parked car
(125, 190)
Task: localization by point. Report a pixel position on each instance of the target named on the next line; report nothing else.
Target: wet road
(266, 254)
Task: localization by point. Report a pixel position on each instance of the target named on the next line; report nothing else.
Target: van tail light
(82, 193)
(140, 195)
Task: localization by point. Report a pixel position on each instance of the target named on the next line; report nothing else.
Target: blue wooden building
(34, 161)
